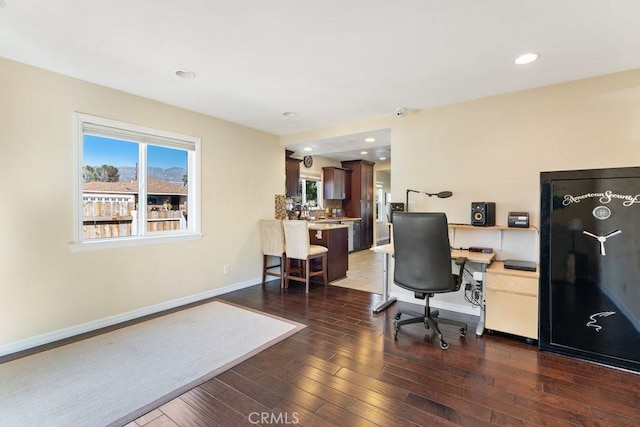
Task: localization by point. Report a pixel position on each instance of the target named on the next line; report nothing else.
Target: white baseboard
(60, 334)
(443, 305)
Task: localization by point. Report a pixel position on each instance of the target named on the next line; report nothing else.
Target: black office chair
(423, 265)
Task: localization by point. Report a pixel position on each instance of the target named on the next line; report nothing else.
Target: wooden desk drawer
(512, 313)
(513, 284)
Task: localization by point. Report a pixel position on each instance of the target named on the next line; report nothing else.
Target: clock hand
(602, 251)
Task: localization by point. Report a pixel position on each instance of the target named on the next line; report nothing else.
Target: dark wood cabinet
(335, 182)
(292, 177)
(359, 202)
(336, 240)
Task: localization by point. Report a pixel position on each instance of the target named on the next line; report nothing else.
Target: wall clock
(308, 161)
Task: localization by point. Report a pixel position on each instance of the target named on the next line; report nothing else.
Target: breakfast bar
(335, 238)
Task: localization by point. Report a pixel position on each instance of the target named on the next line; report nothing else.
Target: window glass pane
(311, 192)
(134, 184)
(110, 187)
(167, 188)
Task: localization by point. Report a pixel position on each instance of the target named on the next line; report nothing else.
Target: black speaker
(483, 213)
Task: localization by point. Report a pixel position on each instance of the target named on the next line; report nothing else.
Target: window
(381, 214)
(136, 185)
(310, 190)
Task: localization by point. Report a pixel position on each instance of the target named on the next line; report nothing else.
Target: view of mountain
(128, 173)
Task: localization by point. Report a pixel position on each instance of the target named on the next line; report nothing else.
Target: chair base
(430, 319)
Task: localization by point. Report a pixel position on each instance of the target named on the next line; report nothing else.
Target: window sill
(125, 242)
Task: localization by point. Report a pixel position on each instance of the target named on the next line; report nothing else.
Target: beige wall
(44, 287)
(493, 149)
(486, 150)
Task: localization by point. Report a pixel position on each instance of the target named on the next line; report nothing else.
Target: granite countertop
(333, 220)
(318, 226)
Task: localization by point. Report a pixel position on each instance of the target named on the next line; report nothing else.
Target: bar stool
(272, 236)
(296, 235)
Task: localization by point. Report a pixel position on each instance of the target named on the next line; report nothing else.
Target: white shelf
(498, 228)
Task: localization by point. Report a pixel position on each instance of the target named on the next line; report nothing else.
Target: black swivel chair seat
(423, 265)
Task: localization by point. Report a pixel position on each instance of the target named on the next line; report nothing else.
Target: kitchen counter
(325, 226)
(335, 238)
(335, 220)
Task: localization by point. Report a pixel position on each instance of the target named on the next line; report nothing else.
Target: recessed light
(363, 152)
(289, 114)
(526, 58)
(186, 74)
(370, 140)
(307, 149)
(383, 158)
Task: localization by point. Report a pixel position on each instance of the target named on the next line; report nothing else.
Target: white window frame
(193, 231)
(311, 177)
(380, 201)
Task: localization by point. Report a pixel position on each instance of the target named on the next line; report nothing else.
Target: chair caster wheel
(463, 332)
(444, 345)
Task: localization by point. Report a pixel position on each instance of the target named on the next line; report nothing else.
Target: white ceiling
(331, 61)
(349, 147)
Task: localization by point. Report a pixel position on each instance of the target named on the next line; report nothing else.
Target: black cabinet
(589, 265)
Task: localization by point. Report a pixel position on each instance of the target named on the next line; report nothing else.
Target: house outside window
(136, 185)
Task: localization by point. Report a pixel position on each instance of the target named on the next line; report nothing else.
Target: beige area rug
(116, 377)
(365, 272)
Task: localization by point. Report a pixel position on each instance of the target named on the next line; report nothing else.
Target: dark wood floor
(346, 369)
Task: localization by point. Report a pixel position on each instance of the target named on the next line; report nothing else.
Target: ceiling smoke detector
(401, 111)
(184, 74)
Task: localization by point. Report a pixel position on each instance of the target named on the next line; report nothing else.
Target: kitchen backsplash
(332, 204)
(280, 206)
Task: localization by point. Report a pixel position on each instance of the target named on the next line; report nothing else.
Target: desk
(475, 257)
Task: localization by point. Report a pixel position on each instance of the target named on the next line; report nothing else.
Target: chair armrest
(461, 261)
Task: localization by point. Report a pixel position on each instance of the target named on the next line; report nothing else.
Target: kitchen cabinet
(359, 201)
(292, 176)
(335, 239)
(335, 182)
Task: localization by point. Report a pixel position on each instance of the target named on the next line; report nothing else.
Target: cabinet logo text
(604, 198)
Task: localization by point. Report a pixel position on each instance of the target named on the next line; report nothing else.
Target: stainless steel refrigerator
(590, 265)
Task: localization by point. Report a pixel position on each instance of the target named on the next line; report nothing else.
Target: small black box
(480, 249)
(483, 213)
(518, 219)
